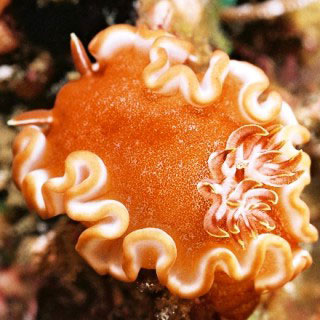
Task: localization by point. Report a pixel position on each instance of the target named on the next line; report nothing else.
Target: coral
(43, 3)
(268, 9)
(16, 299)
(7, 136)
(29, 82)
(9, 40)
(195, 20)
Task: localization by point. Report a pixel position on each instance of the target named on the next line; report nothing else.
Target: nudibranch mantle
(125, 152)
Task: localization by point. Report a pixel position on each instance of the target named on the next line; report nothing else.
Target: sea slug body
(191, 174)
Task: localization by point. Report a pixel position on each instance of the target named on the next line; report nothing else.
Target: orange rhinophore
(193, 174)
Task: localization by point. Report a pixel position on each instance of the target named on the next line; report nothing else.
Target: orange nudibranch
(188, 173)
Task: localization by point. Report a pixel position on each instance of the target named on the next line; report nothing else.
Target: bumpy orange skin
(156, 150)
(154, 147)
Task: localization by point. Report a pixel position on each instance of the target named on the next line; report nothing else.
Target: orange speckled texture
(155, 147)
(188, 186)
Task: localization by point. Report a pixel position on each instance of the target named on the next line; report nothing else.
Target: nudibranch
(191, 172)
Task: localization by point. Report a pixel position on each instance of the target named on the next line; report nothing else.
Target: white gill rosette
(242, 177)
